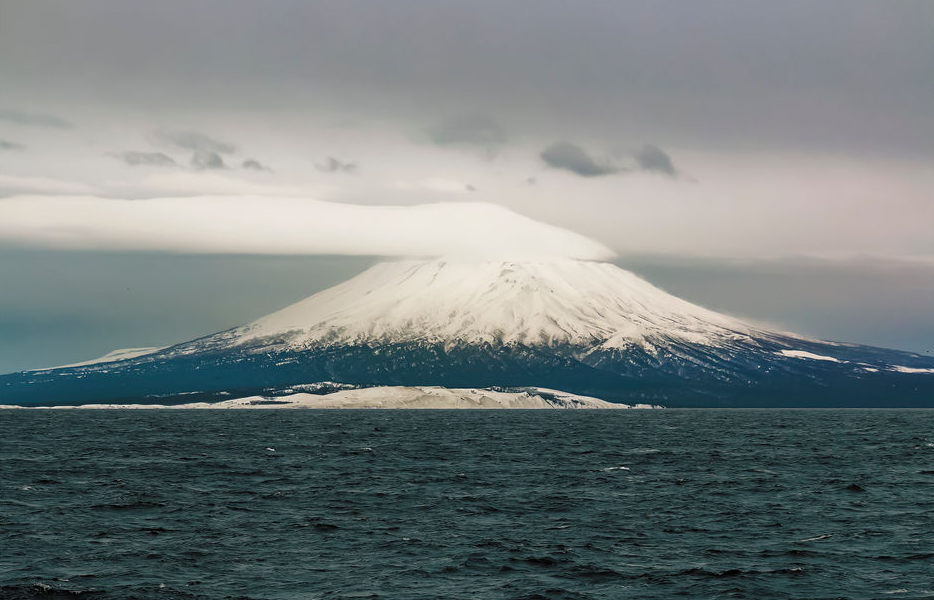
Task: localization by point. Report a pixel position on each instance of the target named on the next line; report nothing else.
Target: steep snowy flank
(564, 302)
(112, 356)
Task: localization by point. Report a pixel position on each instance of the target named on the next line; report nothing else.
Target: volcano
(583, 327)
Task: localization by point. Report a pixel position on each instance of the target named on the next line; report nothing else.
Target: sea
(410, 504)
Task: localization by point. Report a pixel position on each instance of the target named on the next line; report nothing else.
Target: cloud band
(284, 226)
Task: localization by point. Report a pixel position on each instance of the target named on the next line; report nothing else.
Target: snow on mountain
(901, 369)
(590, 328)
(806, 355)
(112, 356)
(545, 303)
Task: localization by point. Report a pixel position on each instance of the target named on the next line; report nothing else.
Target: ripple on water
(316, 504)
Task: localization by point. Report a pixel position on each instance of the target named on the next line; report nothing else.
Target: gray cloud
(203, 159)
(8, 145)
(573, 158)
(857, 76)
(652, 158)
(34, 119)
(333, 165)
(135, 159)
(468, 130)
(255, 165)
(206, 151)
(199, 142)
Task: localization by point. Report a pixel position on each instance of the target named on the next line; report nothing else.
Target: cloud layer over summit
(284, 226)
(706, 128)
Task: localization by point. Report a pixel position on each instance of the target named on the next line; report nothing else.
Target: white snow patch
(399, 397)
(900, 369)
(810, 355)
(112, 356)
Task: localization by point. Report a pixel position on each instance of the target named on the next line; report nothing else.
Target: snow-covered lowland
(399, 397)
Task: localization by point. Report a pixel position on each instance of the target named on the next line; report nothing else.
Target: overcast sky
(713, 135)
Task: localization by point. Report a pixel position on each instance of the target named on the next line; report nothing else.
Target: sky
(773, 160)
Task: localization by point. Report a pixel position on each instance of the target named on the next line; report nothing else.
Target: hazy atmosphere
(774, 161)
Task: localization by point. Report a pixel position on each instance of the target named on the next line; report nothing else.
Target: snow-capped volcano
(584, 327)
(555, 303)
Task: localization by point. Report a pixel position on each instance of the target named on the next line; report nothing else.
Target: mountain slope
(537, 304)
(585, 327)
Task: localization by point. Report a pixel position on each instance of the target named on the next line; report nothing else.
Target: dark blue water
(278, 504)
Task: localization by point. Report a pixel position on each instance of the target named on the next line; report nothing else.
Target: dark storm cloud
(8, 145)
(573, 158)
(34, 119)
(468, 130)
(842, 74)
(254, 165)
(333, 165)
(790, 75)
(135, 159)
(206, 151)
(203, 159)
(652, 158)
